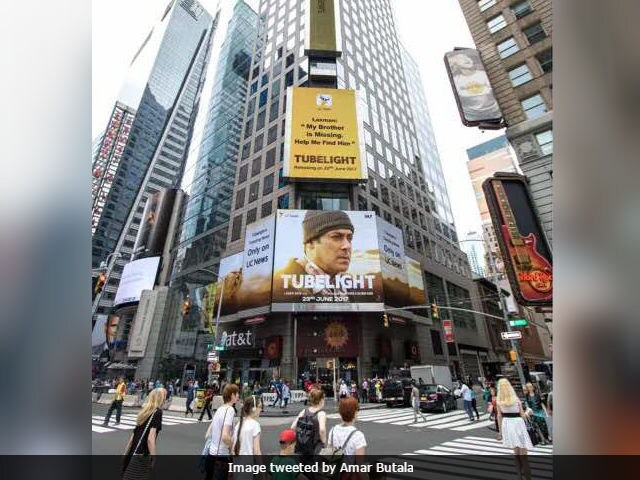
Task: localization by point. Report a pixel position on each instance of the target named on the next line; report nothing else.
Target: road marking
(474, 425)
(456, 423)
(98, 429)
(471, 445)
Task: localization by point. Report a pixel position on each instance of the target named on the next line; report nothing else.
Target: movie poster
(393, 263)
(326, 261)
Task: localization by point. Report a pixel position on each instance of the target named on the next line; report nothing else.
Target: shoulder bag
(139, 466)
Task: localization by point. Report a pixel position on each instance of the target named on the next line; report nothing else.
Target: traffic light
(102, 279)
(512, 355)
(186, 306)
(434, 311)
(385, 320)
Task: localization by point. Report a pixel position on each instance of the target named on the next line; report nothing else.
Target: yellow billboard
(323, 138)
(323, 28)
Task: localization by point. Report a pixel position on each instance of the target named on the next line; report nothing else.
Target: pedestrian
(467, 397)
(208, 397)
(140, 453)
(364, 392)
(512, 427)
(345, 435)
(550, 415)
(190, 396)
(278, 388)
(494, 411)
(474, 405)
(415, 403)
(246, 436)
(311, 425)
(486, 397)
(220, 432)
(343, 389)
(287, 440)
(286, 393)
(170, 391)
(116, 404)
(539, 415)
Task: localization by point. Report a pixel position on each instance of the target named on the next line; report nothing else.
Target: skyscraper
(514, 41)
(397, 191)
(162, 87)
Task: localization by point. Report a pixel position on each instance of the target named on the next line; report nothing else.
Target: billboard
(326, 261)
(137, 276)
(155, 224)
(338, 336)
(324, 135)
(104, 335)
(323, 28)
(473, 93)
(417, 293)
(524, 249)
(392, 260)
(142, 323)
(447, 326)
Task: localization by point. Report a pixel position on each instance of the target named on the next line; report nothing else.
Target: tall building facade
(514, 41)
(397, 190)
(163, 88)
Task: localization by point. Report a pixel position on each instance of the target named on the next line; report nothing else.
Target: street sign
(447, 326)
(518, 322)
(511, 335)
(219, 348)
(212, 357)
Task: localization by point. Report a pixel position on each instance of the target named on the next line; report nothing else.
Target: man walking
(365, 391)
(278, 388)
(116, 405)
(415, 403)
(208, 396)
(191, 392)
(286, 393)
(467, 399)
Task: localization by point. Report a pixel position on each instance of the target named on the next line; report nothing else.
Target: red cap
(287, 436)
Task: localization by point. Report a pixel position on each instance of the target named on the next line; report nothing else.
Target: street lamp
(503, 303)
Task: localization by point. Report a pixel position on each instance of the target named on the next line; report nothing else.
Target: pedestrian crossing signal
(186, 306)
(512, 355)
(434, 311)
(385, 320)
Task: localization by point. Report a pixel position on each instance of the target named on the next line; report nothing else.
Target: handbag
(139, 465)
(202, 464)
(534, 433)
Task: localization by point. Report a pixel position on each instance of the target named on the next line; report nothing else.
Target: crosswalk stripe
(492, 442)
(474, 425)
(447, 420)
(98, 429)
(165, 420)
(380, 416)
(124, 425)
(472, 445)
(456, 423)
(395, 418)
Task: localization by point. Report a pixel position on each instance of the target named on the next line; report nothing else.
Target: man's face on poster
(332, 250)
(111, 329)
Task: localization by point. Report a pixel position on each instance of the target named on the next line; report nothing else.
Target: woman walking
(311, 425)
(512, 427)
(140, 452)
(246, 435)
(221, 433)
(346, 436)
(534, 402)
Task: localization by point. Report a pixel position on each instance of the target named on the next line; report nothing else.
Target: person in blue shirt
(467, 399)
(191, 391)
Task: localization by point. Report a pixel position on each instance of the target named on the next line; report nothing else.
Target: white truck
(434, 374)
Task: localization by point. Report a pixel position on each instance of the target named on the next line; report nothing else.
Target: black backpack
(307, 433)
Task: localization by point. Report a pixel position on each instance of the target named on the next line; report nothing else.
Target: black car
(436, 397)
(397, 392)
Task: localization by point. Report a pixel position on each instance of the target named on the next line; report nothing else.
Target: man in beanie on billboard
(327, 239)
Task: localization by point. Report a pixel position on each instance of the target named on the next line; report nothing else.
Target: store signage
(233, 340)
(447, 326)
(511, 335)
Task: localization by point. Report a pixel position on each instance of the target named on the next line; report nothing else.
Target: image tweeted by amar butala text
(324, 467)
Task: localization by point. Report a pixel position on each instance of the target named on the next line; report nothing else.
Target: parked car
(436, 397)
(397, 392)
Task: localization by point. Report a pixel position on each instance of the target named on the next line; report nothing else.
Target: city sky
(428, 28)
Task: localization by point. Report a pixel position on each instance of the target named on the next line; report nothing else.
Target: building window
(508, 47)
(496, 23)
(534, 33)
(521, 9)
(533, 106)
(253, 191)
(266, 209)
(244, 170)
(546, 60)
(272, 135)
(267, 186)
(436, 342)
(251, 215)
(240, 198)
(236, 226)
(255, 167)
(485, 4)
(283, 201)
(545, 141)
(282, 181)
(270, 158)
(519, 75)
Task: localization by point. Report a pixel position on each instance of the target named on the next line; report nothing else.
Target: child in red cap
(287, 440)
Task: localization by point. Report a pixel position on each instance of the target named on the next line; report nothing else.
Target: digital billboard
(324, 135)
(524, 248)
(323, 28)
(326, 261)
(472, 90)
(136, 276)
(155, 223)
(417, 293)
(392, 260)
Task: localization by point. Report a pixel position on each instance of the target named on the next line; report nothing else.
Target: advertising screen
(326, 261)
(137, 276)
(524, 248)
(471, 87)
(323, 28)
(155, 223)
(417, 293)
(393, 262)
(323, 137)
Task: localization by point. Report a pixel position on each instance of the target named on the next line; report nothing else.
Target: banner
(473, 93)
(526, 254)
(155, 224)
(136, 276)
(324, 135)
(335, 337)
(139, 335)
(323, 28)
(326, 261)
(447, 327)
(393, 262)
(417, 293)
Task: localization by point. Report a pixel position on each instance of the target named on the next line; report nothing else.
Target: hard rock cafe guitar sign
(524, 249)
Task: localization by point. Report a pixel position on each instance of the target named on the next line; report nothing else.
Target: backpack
(307, 433)
(335, 455)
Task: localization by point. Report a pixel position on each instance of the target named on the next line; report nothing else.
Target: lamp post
(503, 304)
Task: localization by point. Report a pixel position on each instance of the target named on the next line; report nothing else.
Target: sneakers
(117, 423)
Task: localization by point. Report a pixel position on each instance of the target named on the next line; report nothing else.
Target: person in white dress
(246, 435)
(512, 427)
